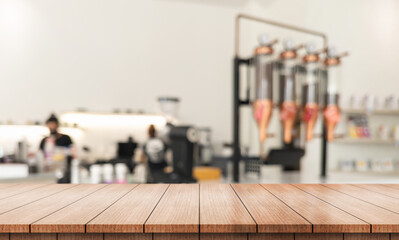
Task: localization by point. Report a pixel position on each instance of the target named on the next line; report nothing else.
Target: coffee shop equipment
(308, 76)
(263, 103)
(332, 115)
(125, 154)
(287, 88)
(204, 144)
(169, 108)
(239, 102)
(181, 139)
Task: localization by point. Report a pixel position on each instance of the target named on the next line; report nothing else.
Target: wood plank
(381, 220)
(378, 199)
(80, 236)
(141, 201)
(18, 220)
(395, 236)
(30, 236)
(7, 185)
(324, 217)
(366, 236)
(127, 236)
(224, 236)
(177, 212)
(270, 214)
(222, 211)
(176, 236)
(73, 218)
(18, 189)
(4, 236)
(381, 189)
(271, 236)
(395, 186)
(319, 236)
(19, 200)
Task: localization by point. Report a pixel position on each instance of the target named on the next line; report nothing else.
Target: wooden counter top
(190, 211)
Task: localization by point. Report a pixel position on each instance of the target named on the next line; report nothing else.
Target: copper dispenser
(263, 103)
(332, 113)
(309, 78)
(288, 105)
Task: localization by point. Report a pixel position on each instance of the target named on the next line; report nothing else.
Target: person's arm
(72, 149)
(143, 157)
(68, 141)
(41, 146)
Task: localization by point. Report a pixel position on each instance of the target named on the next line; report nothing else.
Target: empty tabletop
(189, 211)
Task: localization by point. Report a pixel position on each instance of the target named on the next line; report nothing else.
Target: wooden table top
(199, 208)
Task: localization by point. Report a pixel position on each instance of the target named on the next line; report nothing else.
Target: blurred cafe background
(184, 91)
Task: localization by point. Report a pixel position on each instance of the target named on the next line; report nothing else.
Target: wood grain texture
(223, 236)
(319, 236)
(126, 211)
(177, 211)
(19, 200)
(129, 214)
(222, 211)
(31, 236)
(324, 217)
(381, 220)
(175, 236)
(80, 236)
(271, 236)
(366, 236)
(127, 236)
(73, 218)
(18, 220)
(19, 189)
(378, 188)
(396, 186)
(6, 185)
(378, 199)
(270, 214)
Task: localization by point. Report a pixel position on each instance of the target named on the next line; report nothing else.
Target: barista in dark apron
(59, 140)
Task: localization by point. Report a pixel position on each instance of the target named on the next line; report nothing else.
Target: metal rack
(238, 102)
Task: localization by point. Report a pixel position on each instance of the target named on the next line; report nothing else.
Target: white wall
(59, 55)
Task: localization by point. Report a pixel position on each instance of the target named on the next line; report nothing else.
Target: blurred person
(154, 151)
(60, 140)
(57, 149)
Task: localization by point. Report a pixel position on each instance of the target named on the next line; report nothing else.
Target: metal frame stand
(238, 102)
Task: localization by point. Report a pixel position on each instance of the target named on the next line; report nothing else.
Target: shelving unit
(369, 150)
(348, 140)
(372, 112)
(372, 140)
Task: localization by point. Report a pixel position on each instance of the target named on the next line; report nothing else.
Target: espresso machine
(181, 139)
